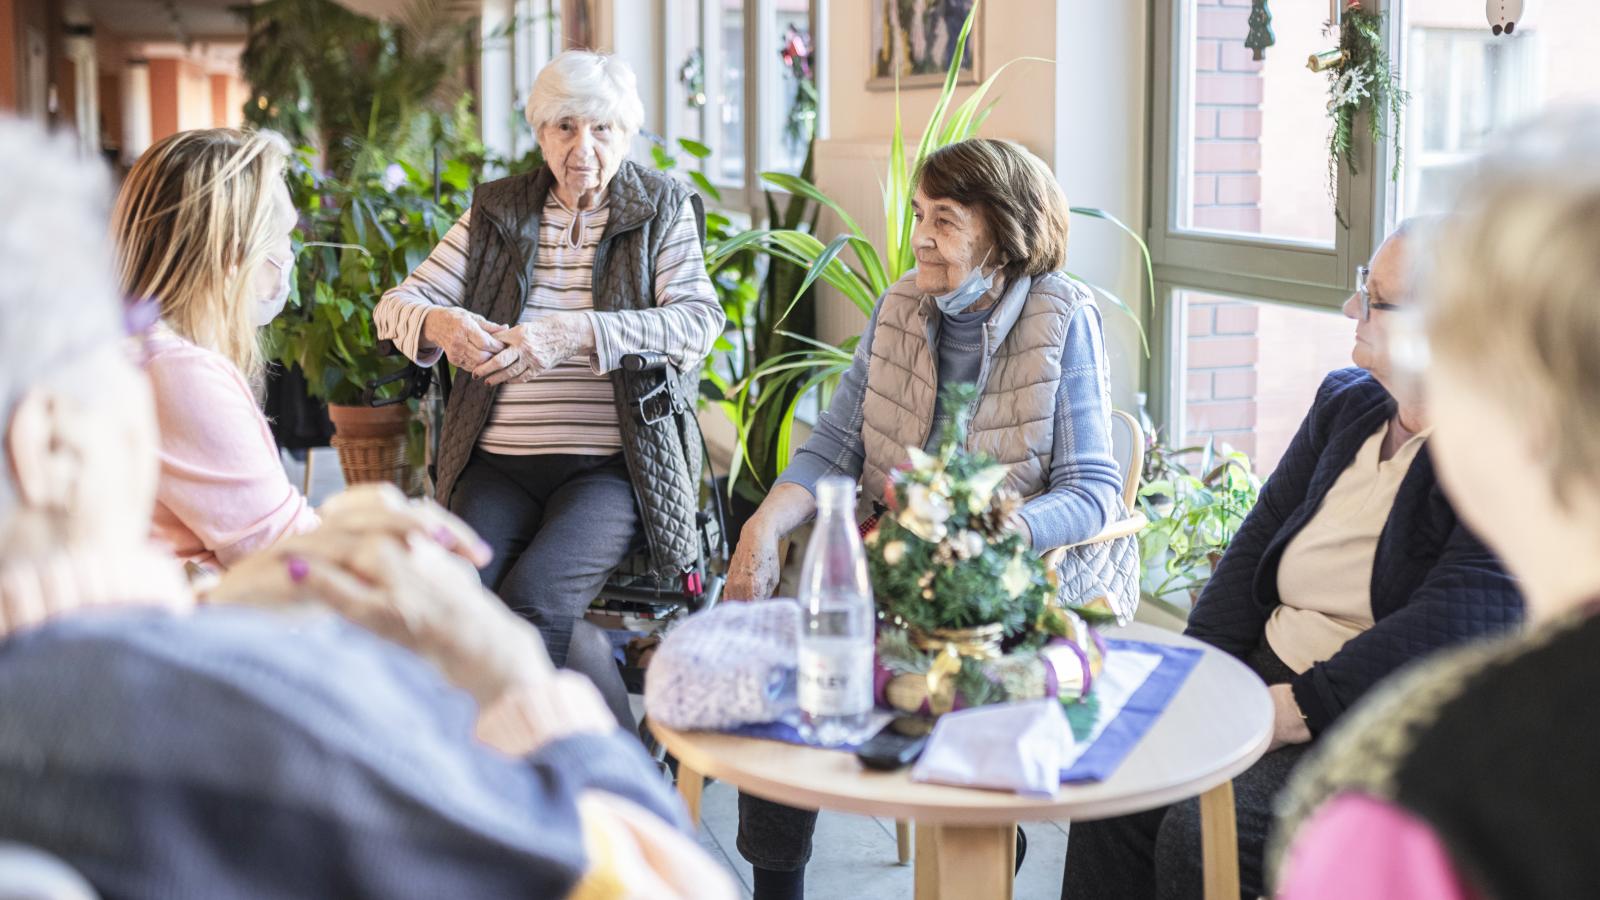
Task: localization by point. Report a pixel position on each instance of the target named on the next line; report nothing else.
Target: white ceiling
(182, 20)
(175, 20)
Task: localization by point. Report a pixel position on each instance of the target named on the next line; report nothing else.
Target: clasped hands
(502, 354)
(407, 571)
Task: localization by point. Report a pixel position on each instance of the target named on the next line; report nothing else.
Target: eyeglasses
(1367, 303)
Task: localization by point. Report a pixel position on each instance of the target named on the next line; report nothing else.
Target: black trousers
(559, 526)
(1156, 854)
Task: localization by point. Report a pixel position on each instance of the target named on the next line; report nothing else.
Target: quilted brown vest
(664, 459)
(1017, 381)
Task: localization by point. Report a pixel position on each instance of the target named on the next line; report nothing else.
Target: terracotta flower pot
(372, 443)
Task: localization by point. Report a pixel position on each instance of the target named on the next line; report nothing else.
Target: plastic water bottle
(836, 623)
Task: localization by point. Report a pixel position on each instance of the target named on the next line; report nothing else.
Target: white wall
(1101, 136)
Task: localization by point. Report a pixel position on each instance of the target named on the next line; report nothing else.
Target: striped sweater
(570, 409)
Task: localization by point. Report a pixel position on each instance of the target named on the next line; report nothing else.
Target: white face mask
(268, 307)
(975, 285)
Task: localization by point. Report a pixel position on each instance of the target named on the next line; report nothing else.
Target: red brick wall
(1225, 194)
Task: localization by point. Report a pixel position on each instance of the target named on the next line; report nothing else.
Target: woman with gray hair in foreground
(167, 749)
(535, 296)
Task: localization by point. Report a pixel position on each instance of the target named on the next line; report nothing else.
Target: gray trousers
(559, 526)
(1156, 854)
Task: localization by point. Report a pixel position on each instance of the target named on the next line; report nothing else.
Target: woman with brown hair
(987, 304)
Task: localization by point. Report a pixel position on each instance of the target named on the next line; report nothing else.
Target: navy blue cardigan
(1433, 582)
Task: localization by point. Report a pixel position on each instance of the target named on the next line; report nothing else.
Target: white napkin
(1008, 746)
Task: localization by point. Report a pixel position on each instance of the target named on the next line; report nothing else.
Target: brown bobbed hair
(1014, 191)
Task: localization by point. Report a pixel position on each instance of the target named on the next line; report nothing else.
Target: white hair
(586, 85)
(58, 297)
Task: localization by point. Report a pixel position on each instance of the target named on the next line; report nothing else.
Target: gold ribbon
(942, 680)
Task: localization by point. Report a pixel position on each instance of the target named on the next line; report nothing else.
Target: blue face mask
(975, 285)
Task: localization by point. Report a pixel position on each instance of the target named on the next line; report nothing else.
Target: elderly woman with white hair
(535, 295)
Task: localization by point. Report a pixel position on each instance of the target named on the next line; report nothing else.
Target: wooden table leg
(902, 840)
(1219, 843)
(690, 784)
(958, 862)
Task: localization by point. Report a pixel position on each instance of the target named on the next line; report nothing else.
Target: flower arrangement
(970, 611)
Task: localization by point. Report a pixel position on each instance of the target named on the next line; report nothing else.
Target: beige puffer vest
(1017, 381)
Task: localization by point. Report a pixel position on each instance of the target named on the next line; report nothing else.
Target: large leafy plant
(1193, 517)
(774, 391)
(362, 91)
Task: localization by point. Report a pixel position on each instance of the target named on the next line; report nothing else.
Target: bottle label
(835, 677)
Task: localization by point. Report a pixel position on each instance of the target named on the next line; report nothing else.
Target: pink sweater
(223, 492)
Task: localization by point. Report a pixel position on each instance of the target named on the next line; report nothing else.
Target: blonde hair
(1016, 193)
(1515, 284)
(193, 224)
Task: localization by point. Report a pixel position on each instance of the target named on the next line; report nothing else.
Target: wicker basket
(372, 443)
(373, 459)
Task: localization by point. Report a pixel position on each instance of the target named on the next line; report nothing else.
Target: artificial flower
(894, 552)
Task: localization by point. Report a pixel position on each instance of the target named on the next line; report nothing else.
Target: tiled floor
(853, 856)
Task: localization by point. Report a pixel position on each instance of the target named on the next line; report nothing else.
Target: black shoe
(1022, 849)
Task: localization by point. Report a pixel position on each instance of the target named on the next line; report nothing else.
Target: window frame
(760, 57)
(1261, 268)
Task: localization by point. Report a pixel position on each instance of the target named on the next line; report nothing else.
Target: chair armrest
(1133, 523)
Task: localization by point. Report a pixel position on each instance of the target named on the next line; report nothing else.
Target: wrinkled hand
(1288, 727)
(467, 339)
(753, 571)
(536, 347)
(382, 563)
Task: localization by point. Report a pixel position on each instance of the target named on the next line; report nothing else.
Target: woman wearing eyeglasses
(202, 229)
(1351, 565)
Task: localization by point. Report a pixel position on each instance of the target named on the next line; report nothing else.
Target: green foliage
(1363, 81)
(944, 556)
(1193, 518)
(389, 158)
(364, 92)
(772, 391)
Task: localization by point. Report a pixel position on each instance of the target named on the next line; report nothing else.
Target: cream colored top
(1325, 576)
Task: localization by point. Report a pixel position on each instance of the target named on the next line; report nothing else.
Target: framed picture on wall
(916, 40)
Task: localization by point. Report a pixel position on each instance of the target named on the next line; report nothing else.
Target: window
(1256, 160)
(1254, 249)
(1250, 370)
(1252, 264)
(742, 81)
(1467, 82)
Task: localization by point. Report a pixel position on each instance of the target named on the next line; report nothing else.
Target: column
(164, 97)
(496, 81)
(136, 125)
(86, 80)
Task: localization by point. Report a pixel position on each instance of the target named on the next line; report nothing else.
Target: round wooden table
(1218, 725)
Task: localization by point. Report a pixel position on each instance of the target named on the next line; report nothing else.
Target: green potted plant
(1193, 518)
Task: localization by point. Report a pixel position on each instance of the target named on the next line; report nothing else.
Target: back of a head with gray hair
(58, 298)
(586, 85)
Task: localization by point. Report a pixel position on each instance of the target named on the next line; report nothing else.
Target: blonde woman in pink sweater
(202, 229)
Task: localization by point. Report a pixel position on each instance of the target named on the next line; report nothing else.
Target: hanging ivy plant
(1360, 78)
